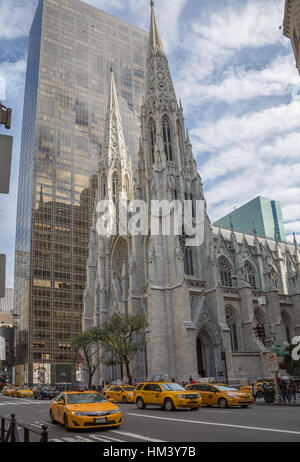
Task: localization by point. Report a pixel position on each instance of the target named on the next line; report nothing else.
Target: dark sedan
(45, 392)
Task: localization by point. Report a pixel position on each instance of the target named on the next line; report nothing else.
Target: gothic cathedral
(223, 299)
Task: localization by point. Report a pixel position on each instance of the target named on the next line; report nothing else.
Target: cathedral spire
(114, 141)
(155, 38)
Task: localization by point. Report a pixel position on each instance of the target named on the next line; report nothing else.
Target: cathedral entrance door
(205, 355)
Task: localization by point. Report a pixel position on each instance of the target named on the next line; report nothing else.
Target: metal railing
(11, 433)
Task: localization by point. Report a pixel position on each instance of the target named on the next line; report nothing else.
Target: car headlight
(115, 411)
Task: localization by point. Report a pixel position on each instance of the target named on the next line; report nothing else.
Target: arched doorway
(205, 355)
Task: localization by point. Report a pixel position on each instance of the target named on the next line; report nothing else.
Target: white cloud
(16, 18)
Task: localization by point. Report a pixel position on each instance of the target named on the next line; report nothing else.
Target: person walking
(292, 389)
(284, 391)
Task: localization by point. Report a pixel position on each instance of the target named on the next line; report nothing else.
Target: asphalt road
(254, 424)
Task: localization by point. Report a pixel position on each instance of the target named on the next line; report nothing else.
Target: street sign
(271, 358)
(282, 353)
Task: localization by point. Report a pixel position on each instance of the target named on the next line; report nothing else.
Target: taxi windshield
(172, 387)
(85, 398)
(227, 388)
(128, 388)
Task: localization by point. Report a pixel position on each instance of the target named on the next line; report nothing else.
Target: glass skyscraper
(71, 48)
(261, 213)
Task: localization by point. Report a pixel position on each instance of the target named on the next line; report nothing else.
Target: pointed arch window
(188, 256)
(287, 326)
(104, 186)
(115, 188)
(225, 272)
(250, 275)
(126, 184)
(167, 138)
(232, 324)
(259, 325)
(152, 129)
(180, 139)
(188, 261)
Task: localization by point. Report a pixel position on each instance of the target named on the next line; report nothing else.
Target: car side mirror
(61, 403)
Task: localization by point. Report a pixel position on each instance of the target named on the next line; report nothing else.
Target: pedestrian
(134, 383)
(103, 384)
(292, 389)
(173, 380)
(284, 391)
(191, 379)
(99, 388)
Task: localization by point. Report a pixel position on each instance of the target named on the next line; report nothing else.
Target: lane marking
(139, 437)
(291, 432)
(69, 440)
(81, 438)
(107, 438)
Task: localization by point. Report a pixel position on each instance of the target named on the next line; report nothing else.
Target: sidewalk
(292, 403)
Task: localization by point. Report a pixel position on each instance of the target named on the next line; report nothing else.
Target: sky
(235, 74)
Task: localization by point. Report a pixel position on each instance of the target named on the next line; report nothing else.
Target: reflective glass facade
(71, 48)
(262, 214)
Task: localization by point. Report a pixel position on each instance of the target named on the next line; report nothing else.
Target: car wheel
(35, 397)
(194, 408)
(124, 400)
(52, 418)
(223, 403)
(66, 423)
(245, 406)
(169, 405)
(140, 403)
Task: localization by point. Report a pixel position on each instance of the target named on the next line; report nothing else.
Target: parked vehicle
(45, 392)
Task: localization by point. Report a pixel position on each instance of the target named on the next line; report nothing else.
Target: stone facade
(291, 26)
(199, 301)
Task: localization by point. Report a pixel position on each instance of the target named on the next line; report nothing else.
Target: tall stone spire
(160, 93)
(155, 38)
(114, 142)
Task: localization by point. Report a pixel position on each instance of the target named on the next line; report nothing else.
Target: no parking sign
(272, 358)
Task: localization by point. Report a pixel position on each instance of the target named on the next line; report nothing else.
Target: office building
(71, 48)
(262, 214)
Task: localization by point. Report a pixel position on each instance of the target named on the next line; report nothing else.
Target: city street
(256, 424)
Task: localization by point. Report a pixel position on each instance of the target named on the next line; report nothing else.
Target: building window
(167, 139)
(126, 184)
(259, 326)
(225, 272)
(115, 188)
(250, 275)
(286, 325)
(231, 323)
(188, 261)
(152, 138)
(104, 187)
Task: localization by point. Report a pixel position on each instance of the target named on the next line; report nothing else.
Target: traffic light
(223, 355)
(5, 116)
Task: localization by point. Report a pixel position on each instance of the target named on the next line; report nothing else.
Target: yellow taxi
(7, 391)
(106, 389)
(121, 393)
(15, 391)
(84, 409)
(167, 395)
(221, 395)
(24, 393)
